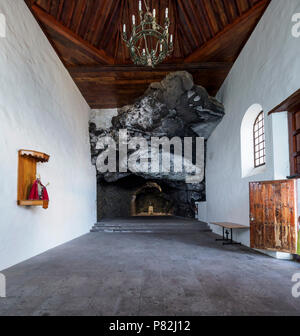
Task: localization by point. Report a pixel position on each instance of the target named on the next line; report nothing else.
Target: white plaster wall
(41, 109)
(281, 145)
(266, 73)
(202, 211)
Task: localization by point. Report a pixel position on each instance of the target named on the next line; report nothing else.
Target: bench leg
(223, 239)
(231, 242)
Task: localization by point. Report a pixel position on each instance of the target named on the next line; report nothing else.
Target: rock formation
(174, 107)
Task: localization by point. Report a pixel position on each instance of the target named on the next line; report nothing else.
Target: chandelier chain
(147, 7)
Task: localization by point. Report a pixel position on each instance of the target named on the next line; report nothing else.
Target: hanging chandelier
(150, 43)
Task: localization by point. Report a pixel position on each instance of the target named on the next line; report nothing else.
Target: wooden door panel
(270, 241)
(256, 206)
(257, 236)
(273, 224)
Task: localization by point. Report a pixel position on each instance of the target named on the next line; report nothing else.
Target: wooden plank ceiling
(209, 35)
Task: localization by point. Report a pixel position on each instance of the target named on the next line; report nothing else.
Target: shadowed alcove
(150, 200)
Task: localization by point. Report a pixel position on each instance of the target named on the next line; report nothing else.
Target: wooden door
(273, 224)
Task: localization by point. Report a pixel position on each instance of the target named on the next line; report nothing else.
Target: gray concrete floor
(150, 274)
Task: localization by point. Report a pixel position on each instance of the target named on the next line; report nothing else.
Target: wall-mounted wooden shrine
(28, 160)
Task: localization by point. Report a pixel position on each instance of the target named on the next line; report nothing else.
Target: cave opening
(150, 200)
(135, 196)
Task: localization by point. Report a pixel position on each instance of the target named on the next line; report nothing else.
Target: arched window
(253, 152)
(259, 141)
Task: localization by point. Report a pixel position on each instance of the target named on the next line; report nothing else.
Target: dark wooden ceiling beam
(78, 16)
(115, 86)
(230, 34)
(206, 18)
(119, 29)
(100, 24)
(231, 10)
(238, 7)
(177, 41)
(70, 15)
(188, 21)
(54, 8)
(52, 23)
(199, 17)
(96, 69)
(107, 35)
(60, 9)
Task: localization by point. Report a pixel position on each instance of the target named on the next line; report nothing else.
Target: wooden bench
(229, 226)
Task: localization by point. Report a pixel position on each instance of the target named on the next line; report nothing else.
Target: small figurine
(38, 191)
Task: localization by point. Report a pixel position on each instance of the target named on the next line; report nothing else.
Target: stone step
(161, 226)
(148, 231)
(158, 223)
(151, 224)
(148, 228)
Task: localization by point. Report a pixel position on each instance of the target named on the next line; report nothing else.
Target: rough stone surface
(174, 107)
(150, 274)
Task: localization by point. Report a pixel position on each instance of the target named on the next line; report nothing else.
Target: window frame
(256, 136)
(294, 153)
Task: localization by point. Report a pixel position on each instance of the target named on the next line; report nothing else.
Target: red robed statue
(38, 192)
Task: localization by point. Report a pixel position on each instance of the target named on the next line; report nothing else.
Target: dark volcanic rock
(174, 107)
